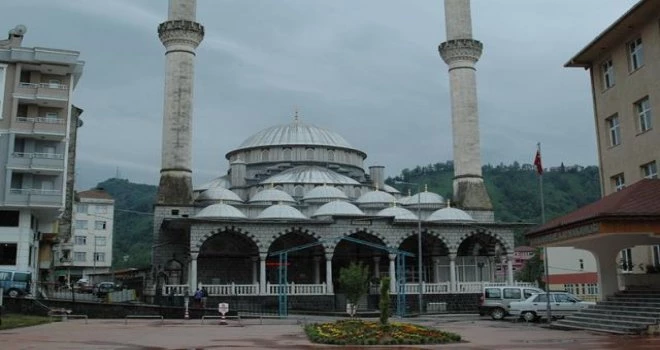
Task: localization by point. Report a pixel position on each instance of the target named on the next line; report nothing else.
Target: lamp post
(419, 241)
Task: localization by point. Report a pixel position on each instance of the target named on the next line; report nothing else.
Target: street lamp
(419, 240)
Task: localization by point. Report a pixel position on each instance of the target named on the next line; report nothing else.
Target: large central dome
(295, 133)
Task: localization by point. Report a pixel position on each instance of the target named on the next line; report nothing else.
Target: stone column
(192, 280)
(452, 273)
(328, 273)
(377, 266)
(436, 269)
(317, 270)
(262, 274)
(509, 269)
(392, 273)
(255, 270)
(607, 269)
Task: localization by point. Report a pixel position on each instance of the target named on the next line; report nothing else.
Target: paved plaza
(288, 334)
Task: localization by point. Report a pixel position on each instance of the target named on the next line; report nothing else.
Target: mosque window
(331, 155)
(357, 192)
(347, 157)
(264, 155)
(310, 154)
(287, 153)
(298, 191)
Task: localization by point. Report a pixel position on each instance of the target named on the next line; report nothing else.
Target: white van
(495, 300)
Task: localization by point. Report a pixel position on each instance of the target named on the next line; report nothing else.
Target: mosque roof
(310, 174)
(220, 210)
(376, 196)
(449, 214)
(294, 133)
(281, 211)
(219, 194)
(324, 192)
(338, 208)
(222, 181)
(272, 195)
(390, 189)
(398, 213)
(423, 198)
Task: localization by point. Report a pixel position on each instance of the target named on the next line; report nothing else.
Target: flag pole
(537, 162)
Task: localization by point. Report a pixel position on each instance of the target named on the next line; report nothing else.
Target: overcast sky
(366, 69)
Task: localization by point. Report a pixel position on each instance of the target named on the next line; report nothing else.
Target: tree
(533, 270)
(354, 279)
(384, 302)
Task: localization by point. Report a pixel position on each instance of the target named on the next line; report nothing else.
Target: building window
(656, 255)
(8, 253)
(79, 256)
(636, 54)
(264, 155)
(99, 225)
(615, 131)
(82, 208)
(650, 170)
(80, 240)
(581, 261)
(331, 155)
(81, 224)
(626, 260)
(287, 154)
(3, 67)
(310, 154)
(100, 241)
(618, 182)
(101, 209)
(9, 218)
(298, 191)
(643, 110)
(99, 256)
(592, 288)
(608, 74)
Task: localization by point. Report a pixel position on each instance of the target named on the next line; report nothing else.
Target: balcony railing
(35, 191)
(47, 120)
(38, 155)
(43, 85)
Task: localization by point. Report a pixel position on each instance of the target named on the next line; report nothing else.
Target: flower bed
(358, 332)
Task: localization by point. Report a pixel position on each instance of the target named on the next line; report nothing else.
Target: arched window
(310, 154)
(347, 157)
(357, 192)
(264, 155)
(287, 154)
(331, 155)
(298, 191)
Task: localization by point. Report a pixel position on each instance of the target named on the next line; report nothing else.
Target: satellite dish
(19, 30)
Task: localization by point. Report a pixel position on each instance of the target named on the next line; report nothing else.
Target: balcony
(29, 197)
(41, 163)
(52, 128)
(43, 94)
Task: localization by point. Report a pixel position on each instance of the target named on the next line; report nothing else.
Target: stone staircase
(627, 312)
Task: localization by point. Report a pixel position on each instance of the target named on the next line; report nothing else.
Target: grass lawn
(16, 320)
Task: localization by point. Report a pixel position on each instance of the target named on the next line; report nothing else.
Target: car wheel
(497, 313)
(13, 293)
(529, 316)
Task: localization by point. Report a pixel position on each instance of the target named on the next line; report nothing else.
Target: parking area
(287, 334)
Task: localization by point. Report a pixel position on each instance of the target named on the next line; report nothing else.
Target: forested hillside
(513, 189)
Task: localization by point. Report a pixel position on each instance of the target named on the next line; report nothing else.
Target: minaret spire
(180, 35)
(461, 52)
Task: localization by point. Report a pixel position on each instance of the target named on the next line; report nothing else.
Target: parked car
(495, 300)
(536, 306)
(102, 289)
(15, 283)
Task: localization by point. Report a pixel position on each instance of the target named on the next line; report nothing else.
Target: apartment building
(36, 86)
(93, 217)
(624, 67)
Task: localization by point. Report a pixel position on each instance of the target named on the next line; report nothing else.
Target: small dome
(222, 181)
(338, 208)
(281, 211)
(449, 214)
(398, 213)
(272, 195)
(219, 194)
(390, 189)
(220, 210)
(310, 174)
(376, 197)
(424, 198)
(324, 194)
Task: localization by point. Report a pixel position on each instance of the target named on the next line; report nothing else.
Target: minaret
(180, 35)
(461, 53)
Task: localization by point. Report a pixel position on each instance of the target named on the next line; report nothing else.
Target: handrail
(34, 191)
(38, 155)
(43, 85)
(40, 120)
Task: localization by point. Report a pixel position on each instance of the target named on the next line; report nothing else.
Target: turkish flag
(537, 163)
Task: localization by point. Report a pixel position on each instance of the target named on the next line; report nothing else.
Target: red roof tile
(639, 199)
(94, 193)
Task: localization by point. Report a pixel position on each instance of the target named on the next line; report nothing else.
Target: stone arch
(195, 246)
(508, 249)
(435, 256)
(304, 265)
(346, 252)
(367, 231)
(288, 230)
(227, 255)
(174, 270)
(477, 256)
(432, 233)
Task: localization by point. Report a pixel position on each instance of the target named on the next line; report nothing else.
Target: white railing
(43, 85)
(175, 289)
(34, 191)
(47, 120)
(38, 155)
(231, 289)
(297, 289)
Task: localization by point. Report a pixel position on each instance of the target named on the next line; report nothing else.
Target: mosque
(301, 191)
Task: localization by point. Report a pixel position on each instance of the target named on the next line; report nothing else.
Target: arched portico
(482, 256)
(304, 265)
(376, 259)
(435, 257)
